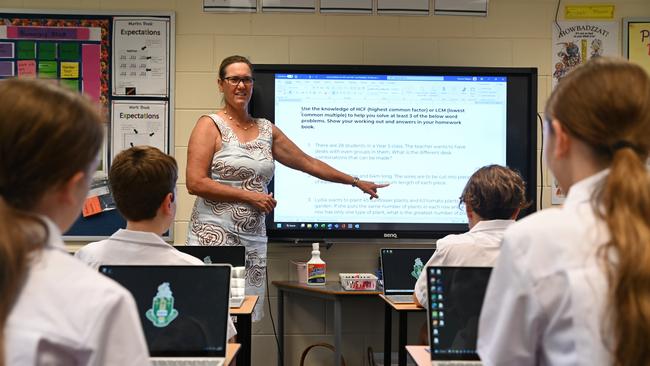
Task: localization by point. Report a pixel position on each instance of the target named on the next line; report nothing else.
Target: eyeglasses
(235, 80)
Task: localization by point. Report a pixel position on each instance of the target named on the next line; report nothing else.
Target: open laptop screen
(401, 268)
(183, 309)
(455, 300)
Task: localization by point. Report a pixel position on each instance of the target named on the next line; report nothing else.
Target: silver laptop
(183, 310)
(235, 255)
(400, 268)
(455, 297)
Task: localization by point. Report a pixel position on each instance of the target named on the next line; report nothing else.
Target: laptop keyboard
(193, 361)
(400, 298)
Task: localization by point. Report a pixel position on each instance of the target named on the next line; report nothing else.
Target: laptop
(400, 268)
(233, 255)
(183, 310)
(455, 299)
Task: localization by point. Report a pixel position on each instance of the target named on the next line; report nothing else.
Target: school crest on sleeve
(162, 311)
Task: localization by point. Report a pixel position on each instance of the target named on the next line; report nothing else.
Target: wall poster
(122, 61)
(574, 43)
(636, 41)
(138, 122)
(140, 57)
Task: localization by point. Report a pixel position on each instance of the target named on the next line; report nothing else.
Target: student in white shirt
(572, 284)
(143, 184)
(493, 197)
(54, 310)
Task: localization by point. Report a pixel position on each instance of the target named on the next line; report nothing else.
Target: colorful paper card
(92, 206)
(69, 51)
(6, 68)
(73, 84)
(26, 68)
(26, 50)
(589, 11)
(91, 70)
(47, 51)
(47, 32)
(47, 69)
(6, 50)
(69, 70)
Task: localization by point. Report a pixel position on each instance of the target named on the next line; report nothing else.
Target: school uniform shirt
(545, 303)
(127, 247)
(133, 247)
(68, 314)
(479, 247)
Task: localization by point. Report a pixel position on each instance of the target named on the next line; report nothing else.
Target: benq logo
(390, 235)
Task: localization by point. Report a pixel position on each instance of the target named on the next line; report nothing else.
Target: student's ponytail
(606, 104)
(21, 234)
(625, 202)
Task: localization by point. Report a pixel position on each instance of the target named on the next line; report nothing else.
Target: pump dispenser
(315, 268)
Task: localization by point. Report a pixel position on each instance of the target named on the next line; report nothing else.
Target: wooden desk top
(231, 352)
(246, 306)
(331, 288)
(420, 355)
(411, 306)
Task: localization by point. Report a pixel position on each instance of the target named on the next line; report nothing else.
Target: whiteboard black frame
(523, 158)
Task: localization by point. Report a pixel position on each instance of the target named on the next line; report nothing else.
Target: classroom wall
(515, 33)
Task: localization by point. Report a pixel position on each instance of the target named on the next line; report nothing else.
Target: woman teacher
(230, 161)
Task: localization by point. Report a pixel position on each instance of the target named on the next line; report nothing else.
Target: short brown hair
(140, 178)
(495, 192)
(232, 60)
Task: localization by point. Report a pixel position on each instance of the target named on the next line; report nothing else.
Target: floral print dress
(248, 166)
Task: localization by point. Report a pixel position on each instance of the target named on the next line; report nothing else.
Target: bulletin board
(636, 41)
(122, 61)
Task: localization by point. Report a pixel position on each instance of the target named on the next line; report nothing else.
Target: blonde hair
(606, 104)
(47, 135)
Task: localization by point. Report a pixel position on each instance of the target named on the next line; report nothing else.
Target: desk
(231, 351)
(244, 327)
(332, 291)
(402, 310)
(420, 354)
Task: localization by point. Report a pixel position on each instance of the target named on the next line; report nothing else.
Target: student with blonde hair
(572, 284)
(54, 310)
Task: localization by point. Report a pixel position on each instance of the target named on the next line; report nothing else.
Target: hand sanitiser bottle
(315, 267)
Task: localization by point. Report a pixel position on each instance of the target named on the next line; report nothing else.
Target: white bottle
(315, 267)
